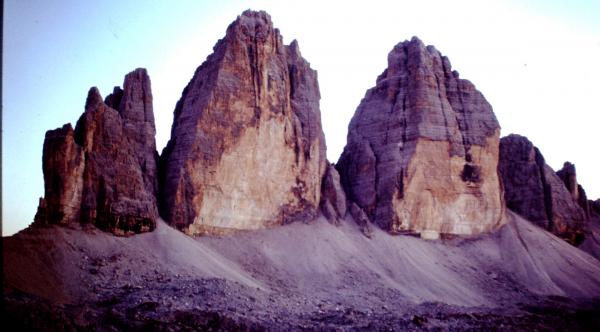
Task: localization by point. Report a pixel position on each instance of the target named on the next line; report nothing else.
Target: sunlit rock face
(536, 192)
(247, 150)
(105, 171)
(422, 149)
(63, 163)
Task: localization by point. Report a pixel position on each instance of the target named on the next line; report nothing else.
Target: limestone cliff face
(105, 171)
(422, 149)
(246, 149)
(533, 190)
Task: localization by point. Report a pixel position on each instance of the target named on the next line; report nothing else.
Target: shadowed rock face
(422, 149)
(246, 149)
(568, 175)
(333, 197)
(105, 171)
(533, 190)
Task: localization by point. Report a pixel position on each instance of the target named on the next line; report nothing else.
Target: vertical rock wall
(247, 150)
(422, 149)
(105, 171)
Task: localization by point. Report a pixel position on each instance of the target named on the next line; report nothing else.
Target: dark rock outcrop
(333, 198)
(536, 192)
(105, 171)
(422, 149)
(247, 150)
(568, 175)
(361, 219)
(522, 169)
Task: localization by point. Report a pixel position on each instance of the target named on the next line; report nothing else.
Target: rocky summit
(247, 150)
(104, 172)
(422, 149)
(536, 192)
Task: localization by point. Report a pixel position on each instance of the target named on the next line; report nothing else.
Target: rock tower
(422, 149)
(247, 150)
(104, 171)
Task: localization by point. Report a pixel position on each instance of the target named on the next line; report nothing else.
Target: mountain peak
(252, 94)
(422, 149)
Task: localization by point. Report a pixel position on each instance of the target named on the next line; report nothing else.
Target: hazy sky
(536, 62)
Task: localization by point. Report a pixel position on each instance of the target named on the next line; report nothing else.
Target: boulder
(105, 171)
(333, 198)
(361, 219)
(422, 149)
(246, 150)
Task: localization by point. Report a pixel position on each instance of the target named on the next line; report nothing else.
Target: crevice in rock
(443, 109)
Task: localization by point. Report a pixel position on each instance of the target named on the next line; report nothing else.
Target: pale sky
(537, 62)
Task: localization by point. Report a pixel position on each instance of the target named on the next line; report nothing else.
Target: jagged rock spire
(105, 171)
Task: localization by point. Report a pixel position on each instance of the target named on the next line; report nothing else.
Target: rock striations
(247, 150)
(533, 190)
(105, 171)
(422, 149)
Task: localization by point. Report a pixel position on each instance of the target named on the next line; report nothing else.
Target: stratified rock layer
(422, 149)
(105, 171)
(533, 190)
(247, 150)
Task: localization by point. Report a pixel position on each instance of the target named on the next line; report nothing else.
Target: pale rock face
(422, 149)
(105, 171)
(247, 150)
(63, 163)
(440, 200)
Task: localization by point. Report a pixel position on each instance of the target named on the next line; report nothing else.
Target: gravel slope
(300, 276)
